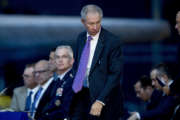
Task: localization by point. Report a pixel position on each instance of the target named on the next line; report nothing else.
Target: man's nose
(176, 26)
(95, 26)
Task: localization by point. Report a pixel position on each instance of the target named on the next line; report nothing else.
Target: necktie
(28, 101)
(80, 75)
(35, 101)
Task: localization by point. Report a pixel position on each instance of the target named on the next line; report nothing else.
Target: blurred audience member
(161, 77)
(59, 106)
(52, 64)
(55, 98)
(43, 76)
(24, 95)
(146, 92)
(52, 61)
(174, 89)
(160, 107)
(175, 86)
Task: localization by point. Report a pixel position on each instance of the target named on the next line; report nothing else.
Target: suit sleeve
(166, 107)
(14, 104)
(114, 71)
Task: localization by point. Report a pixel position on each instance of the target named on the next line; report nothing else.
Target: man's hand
(166, 90)
(133, 116)
(96, 108)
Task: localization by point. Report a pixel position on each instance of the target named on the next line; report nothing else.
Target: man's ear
(83, 21)
(72, 61)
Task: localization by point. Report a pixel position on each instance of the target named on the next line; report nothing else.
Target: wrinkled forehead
(61, 52)
(29, 70)
(93, 16)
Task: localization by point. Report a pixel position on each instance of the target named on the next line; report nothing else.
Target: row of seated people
(47, 90)
(161, 93)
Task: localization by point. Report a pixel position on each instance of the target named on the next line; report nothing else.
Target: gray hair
(68, 48)
(162, 69)
(91, 9)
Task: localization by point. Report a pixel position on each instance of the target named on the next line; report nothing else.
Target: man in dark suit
(57, 98)
(146, 92)
(99, 66)
(160, 106)
(174, 88)
(43, 96)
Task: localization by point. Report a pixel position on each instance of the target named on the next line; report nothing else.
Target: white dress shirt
(34, 90)
(45, 86)
(93, 44)
(62, 75)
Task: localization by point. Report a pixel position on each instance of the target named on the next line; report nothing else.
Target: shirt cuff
(100, 102)
(138, 115)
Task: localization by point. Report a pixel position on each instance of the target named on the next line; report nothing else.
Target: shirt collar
(62, 75)
(47, 83)
(96, 36)
(33, 90)
(170, 82)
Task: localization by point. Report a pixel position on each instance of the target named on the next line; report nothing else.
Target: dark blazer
(163, 111)
(55, 105)
(105, 72)
(155, 99)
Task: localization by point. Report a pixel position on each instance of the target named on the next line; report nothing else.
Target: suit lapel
(81, 46)
(66, 75)
(45, 97)
(23, 96)
(98, 50)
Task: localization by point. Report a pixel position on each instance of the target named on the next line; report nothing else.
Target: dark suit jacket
(155, 99)
(163, 111)
(53, 106)
(105, 72)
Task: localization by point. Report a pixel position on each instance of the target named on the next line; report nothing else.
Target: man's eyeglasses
(40, 71)
(26, 76)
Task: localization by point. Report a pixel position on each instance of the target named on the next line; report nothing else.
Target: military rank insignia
(59, 92)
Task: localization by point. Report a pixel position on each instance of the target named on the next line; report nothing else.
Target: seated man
(160, 106)
(146, 92)
(43, 76)
(58, 106)
(161, 77)
(24, 95)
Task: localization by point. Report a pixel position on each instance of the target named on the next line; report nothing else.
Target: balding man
(43, 76)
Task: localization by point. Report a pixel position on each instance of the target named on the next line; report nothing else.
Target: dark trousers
(81, 107)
